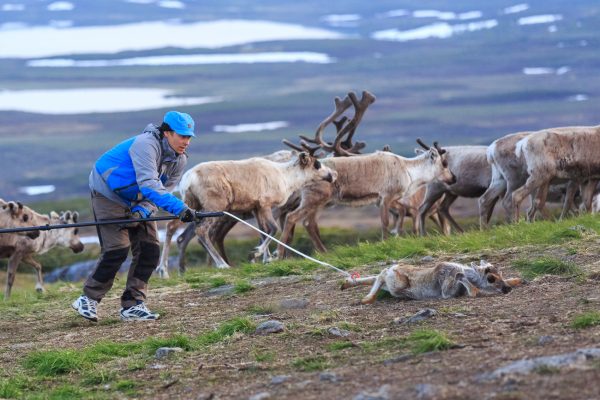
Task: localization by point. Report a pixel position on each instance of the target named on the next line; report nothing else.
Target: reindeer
(15, 215)
(362, 178)
(221, 228)
(21, 248)
(473, 175)
(569, 153)
(408, 206)
(445, 280)
(253, 185)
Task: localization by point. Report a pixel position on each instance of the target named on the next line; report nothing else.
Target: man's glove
(139, 212)
(187, 215)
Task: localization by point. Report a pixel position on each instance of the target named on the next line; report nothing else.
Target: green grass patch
(226, 330)
(257, 309)
(98, 377)
(426, 340)
(586, 320)
(243, 287)
(182, 341)
(55, 362)
(337, 346)
(546, 266)
(263, 356)
(310, 364)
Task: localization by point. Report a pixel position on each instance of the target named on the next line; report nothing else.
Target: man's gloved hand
(187, 215)
(139, 212)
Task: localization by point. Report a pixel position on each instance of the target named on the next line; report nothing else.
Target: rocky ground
(332, 348)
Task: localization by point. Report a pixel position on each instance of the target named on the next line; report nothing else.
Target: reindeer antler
(312, 150)
(346, 148)
(422, 144)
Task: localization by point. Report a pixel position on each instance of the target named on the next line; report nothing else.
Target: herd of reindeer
(293, 186)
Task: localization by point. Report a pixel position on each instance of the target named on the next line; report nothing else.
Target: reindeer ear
(11, 205)
(25, 217)
(67, 215)
(75, 216)
(304, 159)
(54, 215)
(419, 151)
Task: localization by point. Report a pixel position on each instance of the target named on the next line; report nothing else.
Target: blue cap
(180, 123)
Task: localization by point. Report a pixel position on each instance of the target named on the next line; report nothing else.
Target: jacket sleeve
(146, 157)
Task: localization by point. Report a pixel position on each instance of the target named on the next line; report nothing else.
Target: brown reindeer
(21, 248)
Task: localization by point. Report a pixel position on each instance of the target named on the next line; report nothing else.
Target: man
(130, 181)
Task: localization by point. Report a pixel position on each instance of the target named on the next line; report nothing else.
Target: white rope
(288, 247)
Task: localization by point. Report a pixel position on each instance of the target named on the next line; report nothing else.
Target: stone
(279, 379)
(381, 394)
(418, 317)
(260, 396)
(289, 304)
(335, 331)
(164, 352)
(328, 377)
(270, 326)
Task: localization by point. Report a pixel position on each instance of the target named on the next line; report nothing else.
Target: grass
(243, 287)
(226, 330)
(337, 346)
(586, 320)
(427, 340)
(547, 266)
(311, 363)
(56, 362)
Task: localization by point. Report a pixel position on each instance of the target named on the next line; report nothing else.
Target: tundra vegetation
(47, 352)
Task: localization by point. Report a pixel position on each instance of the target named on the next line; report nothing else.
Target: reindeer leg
(13, 264)
(572, 187)
(350, 282)
(519, 195)
(266, 222)
(444, 210)
(488, 200)
(472, 290)
(183, 241)
(379, 282)
(163, 266)
(312, 228)
(384, 215)
(513, 282)
(39, 285)
(433, 193)
(588, 194)
(202, 230)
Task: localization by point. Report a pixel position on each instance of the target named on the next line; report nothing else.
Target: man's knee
(109, 264)
(148, 260)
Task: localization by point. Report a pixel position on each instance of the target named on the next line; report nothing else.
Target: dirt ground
(489, 332)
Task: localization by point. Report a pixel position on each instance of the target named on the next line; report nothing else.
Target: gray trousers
(115, 243)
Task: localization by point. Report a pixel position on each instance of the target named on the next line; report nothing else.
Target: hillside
(48, 352)
(468, 88)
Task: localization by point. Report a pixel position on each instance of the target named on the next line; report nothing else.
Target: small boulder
(271, 326)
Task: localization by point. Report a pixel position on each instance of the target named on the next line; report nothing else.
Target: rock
(381, 394)
(289, 304)
(418, 317)
(526, 366)
(544, 340)
(260, 396)
(205, 396)
(164, 352)
(221, 290)
(335, 331)
(328, 377)
(279, 379)
(397, 359)
(427, 259)
(270, 326)
(425, 391)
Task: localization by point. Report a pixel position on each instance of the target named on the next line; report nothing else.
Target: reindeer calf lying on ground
(445, 280)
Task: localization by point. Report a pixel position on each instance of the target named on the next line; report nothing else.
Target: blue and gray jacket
(141, 171)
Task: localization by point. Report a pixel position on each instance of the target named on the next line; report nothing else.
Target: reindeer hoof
(368, 300)
(345, 285)
(40, 289)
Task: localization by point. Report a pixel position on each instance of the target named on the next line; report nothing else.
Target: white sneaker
(86, 307)
(139, 312)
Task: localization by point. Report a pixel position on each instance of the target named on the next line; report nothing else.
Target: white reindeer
(253, 185)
